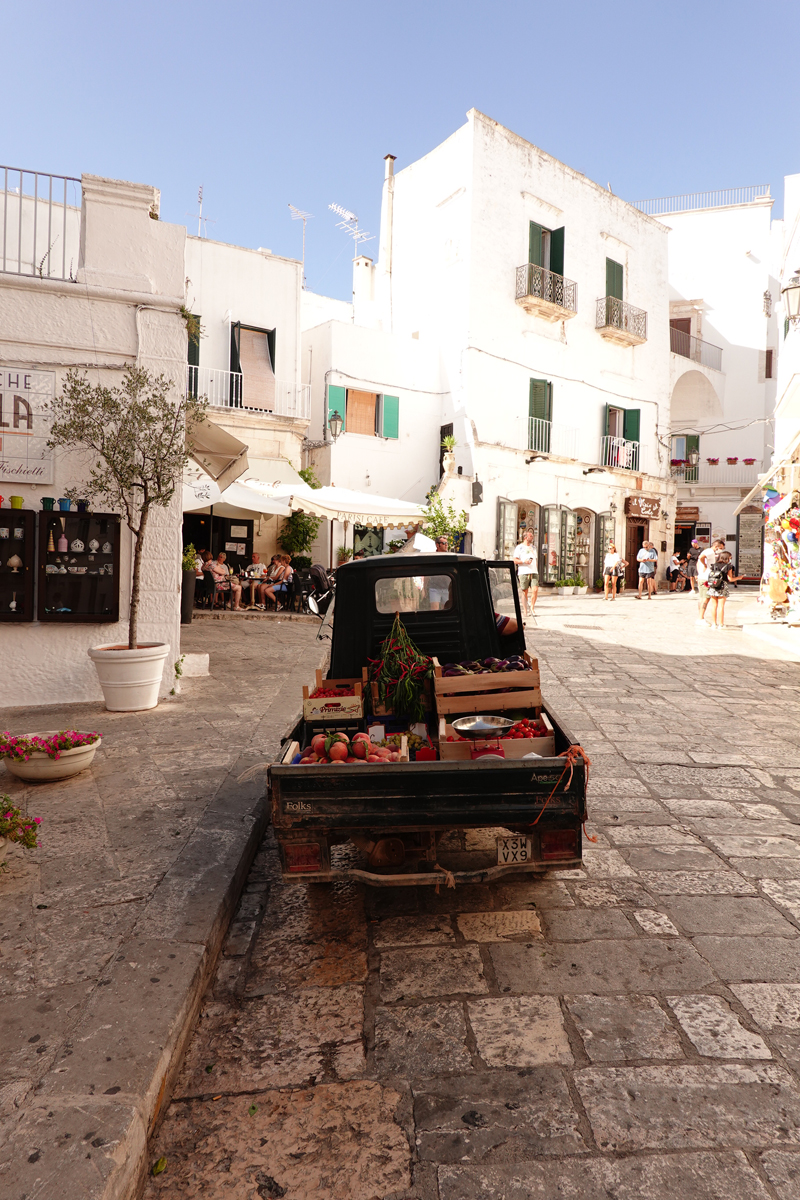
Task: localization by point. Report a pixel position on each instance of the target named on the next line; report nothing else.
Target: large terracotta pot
(41, 768)
(130, 679)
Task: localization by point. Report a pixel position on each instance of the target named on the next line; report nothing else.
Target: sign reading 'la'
(25, 456)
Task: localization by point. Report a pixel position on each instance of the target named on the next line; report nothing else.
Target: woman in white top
(613, 567)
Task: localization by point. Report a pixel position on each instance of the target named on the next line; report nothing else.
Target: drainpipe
(387, 219)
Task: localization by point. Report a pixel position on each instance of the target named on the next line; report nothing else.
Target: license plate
(513, 850)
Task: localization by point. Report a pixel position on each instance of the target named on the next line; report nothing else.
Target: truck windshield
(413, 593)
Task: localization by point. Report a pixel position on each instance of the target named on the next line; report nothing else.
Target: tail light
(559, 843)
(302, 856)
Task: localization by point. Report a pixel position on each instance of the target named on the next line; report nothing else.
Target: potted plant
(748, 461)
(564, 587)
(46, 757)
(343, 555)
(188, 580)
(712, 462)
(598, 584)
(300, 529)
(448, 444)
(16, 829)
(444, 522)
(581, 588)
(136, 434)
(732, 461)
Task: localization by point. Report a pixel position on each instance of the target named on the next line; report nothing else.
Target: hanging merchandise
(782, 565)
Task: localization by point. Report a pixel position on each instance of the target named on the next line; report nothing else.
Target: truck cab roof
(447, 602)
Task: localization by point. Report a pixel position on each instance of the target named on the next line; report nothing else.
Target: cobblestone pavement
(106, 929)
(627, 1030)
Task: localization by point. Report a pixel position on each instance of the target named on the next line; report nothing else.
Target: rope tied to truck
(572, 755)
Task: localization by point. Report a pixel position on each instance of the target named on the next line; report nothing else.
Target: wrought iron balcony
(40, 224)
(621, 322)
(226, 389)
(546, 438)
(546, 294)
(695, 349)
(620, 454)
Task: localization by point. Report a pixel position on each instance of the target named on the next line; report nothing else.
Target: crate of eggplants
(486, 666)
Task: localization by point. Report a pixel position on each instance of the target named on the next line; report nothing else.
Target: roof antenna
(299, 215)
(349, 223)
(200, 217)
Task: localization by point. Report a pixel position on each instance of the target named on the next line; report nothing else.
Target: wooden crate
(380, 710)
(328, 708)
(463, 694)
(512, 747)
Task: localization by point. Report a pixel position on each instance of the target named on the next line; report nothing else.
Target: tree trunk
(137, 569)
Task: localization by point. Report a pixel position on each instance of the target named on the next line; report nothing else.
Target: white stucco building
(724, 342)
(94, 281)
(523, 309)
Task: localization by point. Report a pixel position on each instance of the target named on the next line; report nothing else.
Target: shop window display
(17, 560)
(79, 567)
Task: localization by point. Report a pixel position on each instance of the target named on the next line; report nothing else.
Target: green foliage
(137, 440)
(449, 442)
(307, 475)
(193, 327)
(188, 557)
(444, 522)
(300, 562)
(343, 554)
(298, 532)
(16, 827)
(598, 583)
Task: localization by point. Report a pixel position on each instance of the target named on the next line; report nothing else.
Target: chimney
(385, 251)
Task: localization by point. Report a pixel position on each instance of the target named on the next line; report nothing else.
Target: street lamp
(693, 457)
(791, 299)
(335, 424)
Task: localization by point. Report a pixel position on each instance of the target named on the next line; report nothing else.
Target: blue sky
(266, 104)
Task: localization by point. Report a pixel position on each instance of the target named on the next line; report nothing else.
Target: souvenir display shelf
(81, 582)
(17, 561)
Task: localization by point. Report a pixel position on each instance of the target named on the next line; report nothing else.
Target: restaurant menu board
(17, 561)
(750, 544)
(78, 567)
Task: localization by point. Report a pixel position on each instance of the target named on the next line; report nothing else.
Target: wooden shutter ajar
(557, 251)
(390, 411)
(336, 403)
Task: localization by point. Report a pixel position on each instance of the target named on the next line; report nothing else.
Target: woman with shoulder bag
(613, 568)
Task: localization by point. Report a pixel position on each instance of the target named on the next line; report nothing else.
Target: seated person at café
(272, 573)
(254, 574)
(223, 579)
(279, 587)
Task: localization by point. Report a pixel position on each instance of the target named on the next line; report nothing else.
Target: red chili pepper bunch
(400, 673)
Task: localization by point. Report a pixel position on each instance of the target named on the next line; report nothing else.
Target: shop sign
(643, 506)
(750, 530)
(687, 513)
(25, 456)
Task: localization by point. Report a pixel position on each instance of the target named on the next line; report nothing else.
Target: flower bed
(14, 827)
(53, 745)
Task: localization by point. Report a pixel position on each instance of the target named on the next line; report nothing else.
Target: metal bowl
(477, 727)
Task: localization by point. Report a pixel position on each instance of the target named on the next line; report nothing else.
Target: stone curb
(84, 1132)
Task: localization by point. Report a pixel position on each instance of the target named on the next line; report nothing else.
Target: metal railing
(40, 224)
(225, 389)
(616, 314)
(546, 285)
(722, 475)
(696, 200)
(618, 453)
(695, 348)
(546, 438)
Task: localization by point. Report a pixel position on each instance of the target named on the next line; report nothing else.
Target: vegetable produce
(487, 666)
(336, 749)
(334, 692)
(400, 673)
(525, 728)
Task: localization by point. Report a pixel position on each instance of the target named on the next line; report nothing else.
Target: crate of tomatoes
(530, 735)
(333, 699)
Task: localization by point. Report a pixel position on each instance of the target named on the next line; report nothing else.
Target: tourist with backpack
(720, 574)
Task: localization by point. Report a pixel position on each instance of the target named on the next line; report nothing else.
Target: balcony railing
(695, 349)
(226, 390)
(620, 454)
(722, 475)
(621, 322)
(695, 201)
(40, 224)
(542, 291)
(546, 438)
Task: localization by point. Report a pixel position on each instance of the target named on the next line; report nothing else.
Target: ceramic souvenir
(73, 560)
(77, 546)
(15, 562)
(109, 569)
(106, 547)
(3, 531)
(94, 545)
(12, 604)
(72, 570)
(62, 570)
(19, 533)
(63, 544)
(50, 543)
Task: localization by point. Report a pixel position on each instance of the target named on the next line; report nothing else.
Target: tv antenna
(349, 223)
(200, 217)
(299, 215)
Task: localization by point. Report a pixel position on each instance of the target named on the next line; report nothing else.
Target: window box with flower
(713, 462)
(748, 462)
(732, 461)
(47, 757)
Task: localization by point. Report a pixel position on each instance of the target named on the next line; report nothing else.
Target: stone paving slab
(109, 932)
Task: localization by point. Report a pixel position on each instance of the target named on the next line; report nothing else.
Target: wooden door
(637, 528)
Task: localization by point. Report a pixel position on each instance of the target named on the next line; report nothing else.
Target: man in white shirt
(704, 563)
(527, 573)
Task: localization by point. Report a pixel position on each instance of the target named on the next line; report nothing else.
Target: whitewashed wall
(123, 307)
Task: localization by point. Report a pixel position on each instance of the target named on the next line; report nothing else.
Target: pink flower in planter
(732, 462)
(748, 461)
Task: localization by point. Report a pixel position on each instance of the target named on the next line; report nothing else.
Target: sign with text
(750, 547)
(643, 506)
(25, 456)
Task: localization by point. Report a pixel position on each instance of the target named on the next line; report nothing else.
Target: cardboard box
(463, 694)
(512, 747)
(330, 708)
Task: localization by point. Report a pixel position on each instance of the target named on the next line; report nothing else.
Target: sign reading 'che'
(25, 456)
(643, 506)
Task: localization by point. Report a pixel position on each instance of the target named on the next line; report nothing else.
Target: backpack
(717, 577)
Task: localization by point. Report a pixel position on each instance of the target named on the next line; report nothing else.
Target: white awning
(219, 453)
(272, 471)
(200, 492)
(341, 504)
(764, 480)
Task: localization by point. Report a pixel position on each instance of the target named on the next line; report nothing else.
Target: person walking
(721, 573)
(705, 561)
(613, 569)
(674, 570)
(527, 573)
(647, 559)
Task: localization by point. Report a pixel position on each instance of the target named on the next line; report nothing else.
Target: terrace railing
(40, 224)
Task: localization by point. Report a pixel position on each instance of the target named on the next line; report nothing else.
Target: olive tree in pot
(136, 435)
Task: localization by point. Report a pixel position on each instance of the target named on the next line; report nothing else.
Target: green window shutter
(606, 420)
(630, 427)
(535, 244)
(692, 443)
(539, 402)
(391, 416)
(336, 402)
(271, 348)
(614, 278)
(557, 251)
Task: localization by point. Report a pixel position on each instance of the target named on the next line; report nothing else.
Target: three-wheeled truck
(401, 816)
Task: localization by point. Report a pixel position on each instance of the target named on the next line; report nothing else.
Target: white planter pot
(581, 591)
(41, 768)
(565, 591)
(130, 679)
